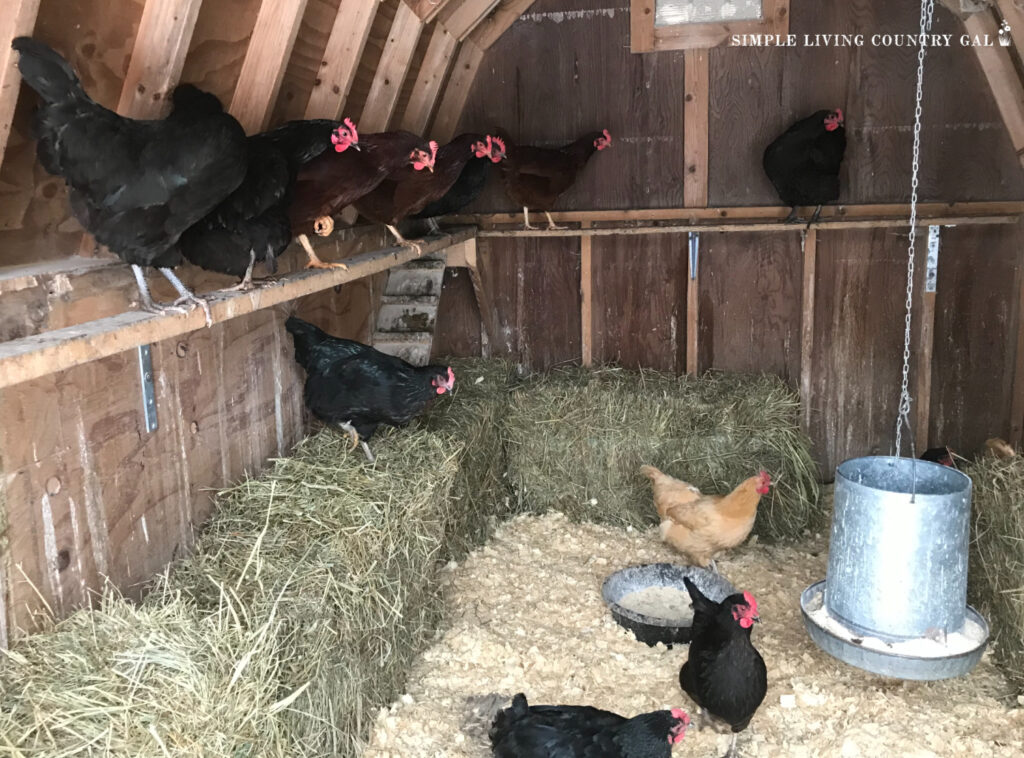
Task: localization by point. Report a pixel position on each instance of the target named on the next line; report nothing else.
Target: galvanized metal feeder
(894, 600)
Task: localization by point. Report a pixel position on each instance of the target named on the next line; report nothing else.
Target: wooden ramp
(408, 311)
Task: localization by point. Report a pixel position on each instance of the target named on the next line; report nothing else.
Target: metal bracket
(931, 272)
(148, 390)
(694, 240)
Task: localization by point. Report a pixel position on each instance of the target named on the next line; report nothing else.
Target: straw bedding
(315, 585)
(996, 574)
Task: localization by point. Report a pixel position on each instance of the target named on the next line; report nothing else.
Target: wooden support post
(390, 75)
(1002, 77)
(427, 10)
(810, 249)
(277, 25)
(341, 58)
(432, 74)
(586, 299)
(457, 91)
(1017, 400)
(695, 129)
(487, 315)
(158, 56)
(463, 17)
(18, 19)
(496, 24)
(923, 383)
(692, 314)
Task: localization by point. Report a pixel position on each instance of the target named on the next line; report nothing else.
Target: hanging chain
(903, 413)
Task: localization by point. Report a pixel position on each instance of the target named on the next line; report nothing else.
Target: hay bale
(576, 438)
(308, 596)
(996, 578)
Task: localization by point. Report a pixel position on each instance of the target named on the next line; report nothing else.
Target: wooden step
(416, 282)
(405, 316)
(412, 347)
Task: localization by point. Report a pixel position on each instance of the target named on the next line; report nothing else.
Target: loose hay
(996, 578)
(576, 438)
(527, 615)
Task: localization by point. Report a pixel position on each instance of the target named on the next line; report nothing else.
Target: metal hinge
(148, 390)
(931, 271)
(694, 239)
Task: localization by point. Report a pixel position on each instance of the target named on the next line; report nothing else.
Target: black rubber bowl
(650, 629)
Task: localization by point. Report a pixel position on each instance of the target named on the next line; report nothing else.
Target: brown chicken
(535, 176)
(406, 192)
(999, 448)
(701, 526)
(335, 179)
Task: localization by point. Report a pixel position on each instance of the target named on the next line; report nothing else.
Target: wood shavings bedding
(526, 615)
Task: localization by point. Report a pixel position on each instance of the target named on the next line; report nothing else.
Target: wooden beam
(586, 299)
(1002, 77)
(488, 316)
(491, 28)
(390, 75)
(810, 249)
(17, 20)
(432, 74)
(33, 357)
(427, 10)
(1013, 13)
(1017, 399)
(926, 211)
(641, 26)
(277, 25)
(457, 92)
(923, 381)
(693, 318)
(463, 17)
(695, 129)
(158, 56)
(777, 226)
(341, 58)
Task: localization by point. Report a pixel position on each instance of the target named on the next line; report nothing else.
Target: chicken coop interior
(366, 363)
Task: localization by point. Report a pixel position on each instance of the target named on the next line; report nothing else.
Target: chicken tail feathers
(650, 472)
(45, 71)
(506, 719)
(306, 337)
(701, 602)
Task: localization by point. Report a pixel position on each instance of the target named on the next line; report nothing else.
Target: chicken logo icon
(1004, 34)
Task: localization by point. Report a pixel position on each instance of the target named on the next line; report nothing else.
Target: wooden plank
(639, 311)
(692, 316)
(457, 327)
(263, 69)
(427, 87)
(491, 28)
(695, 129)
(641, 26)
(484, 302)
(394, 64)
(1017, 398)
(158, 57)
(18, 19)
(586, 299)
(463, 17)
(39, 355)
(810, 263)
(457, 92)
(926, 211)
(341, 58)
(777, 226)
(427, 10)
(1002, 76)
(922, 395)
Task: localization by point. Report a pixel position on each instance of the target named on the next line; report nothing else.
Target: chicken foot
(314, 260)
(551, 223)
(354, 436)
(526, 219)
(246, 284)
(146, 300)
(731, 752)
(187, 295)
(412, 244)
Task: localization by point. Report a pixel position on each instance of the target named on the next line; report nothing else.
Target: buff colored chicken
(700, 526)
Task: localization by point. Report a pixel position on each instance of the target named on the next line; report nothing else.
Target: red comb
(499, 142)
(352, 128)
(433, 151)
(608, 136)
(749, 599)
(451, 375)
(680, 714)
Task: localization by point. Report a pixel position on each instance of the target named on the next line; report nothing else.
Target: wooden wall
(575, 53)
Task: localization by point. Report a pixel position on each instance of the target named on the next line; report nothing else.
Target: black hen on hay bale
(576, 439)
(996, 576)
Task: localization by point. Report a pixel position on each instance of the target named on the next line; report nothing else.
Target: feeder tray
(855, 649)
(628, 591)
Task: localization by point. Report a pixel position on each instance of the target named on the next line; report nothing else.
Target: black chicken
(724, 674)
(941, 455)
(803, 162)
(252, 223)
(467, 188)
(357, 387)
(581, 731)
(135, 185)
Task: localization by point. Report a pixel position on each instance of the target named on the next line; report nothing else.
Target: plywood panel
(858, 344)
(750, 303)
(976, 322)
(639, 307)
(305, 67)
(457, 330)
(564, 69)
(534, 288)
